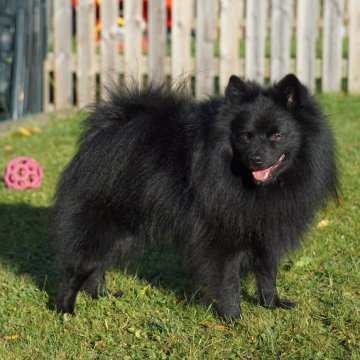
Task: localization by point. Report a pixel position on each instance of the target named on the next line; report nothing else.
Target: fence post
(354, 47)
(205, 21)
(133, 40)
(307, 18)
(62, 39)
(281, 18)
(85, 52)
(255, 39)
(332, 45)
(109, 10)
(157, 40)
(229, 40)
(182, 14)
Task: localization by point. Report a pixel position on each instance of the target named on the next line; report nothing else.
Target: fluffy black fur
(236, 181)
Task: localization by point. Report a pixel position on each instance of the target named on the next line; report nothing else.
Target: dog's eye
(275, 137)
(245, 137)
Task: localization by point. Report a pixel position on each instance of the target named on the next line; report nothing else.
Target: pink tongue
(261, 175)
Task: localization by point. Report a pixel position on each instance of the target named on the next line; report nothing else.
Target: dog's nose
(256, 161)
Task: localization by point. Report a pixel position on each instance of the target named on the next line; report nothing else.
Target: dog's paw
(274, 301)
(285, 304)
(229, 314)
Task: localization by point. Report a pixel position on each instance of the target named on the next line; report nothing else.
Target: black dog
(236, 182)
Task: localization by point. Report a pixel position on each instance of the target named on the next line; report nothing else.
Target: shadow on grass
(25, 249)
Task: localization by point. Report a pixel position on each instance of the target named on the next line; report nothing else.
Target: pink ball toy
(23, 173)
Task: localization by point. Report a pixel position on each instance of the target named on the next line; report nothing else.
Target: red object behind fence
(23, 173)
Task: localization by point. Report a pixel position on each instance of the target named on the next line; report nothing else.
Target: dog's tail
(124, 103)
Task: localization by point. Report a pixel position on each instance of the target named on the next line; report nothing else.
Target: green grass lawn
(154, 319)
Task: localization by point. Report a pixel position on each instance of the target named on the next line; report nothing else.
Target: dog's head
(265, 133)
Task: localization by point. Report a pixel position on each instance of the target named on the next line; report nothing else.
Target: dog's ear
(235, 89)
(290, 91)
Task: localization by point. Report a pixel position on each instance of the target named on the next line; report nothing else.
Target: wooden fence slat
(157, 40)
(182, 15)
(133, 40)
(255, 39)
(85, 28)
(281, 18)
(46, 86)
(62, 50)
(307, 30)
(205, 31)
(354, 47)
(332, 45)
(229, 40)
(109, 10)
(241, 24)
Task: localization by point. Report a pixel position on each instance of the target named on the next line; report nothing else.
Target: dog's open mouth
(261, 176)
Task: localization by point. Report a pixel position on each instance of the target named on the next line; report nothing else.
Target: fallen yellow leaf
(214, 326)
(34, 130)
(323, 223)
(9, 337)
(25, 132)
(145, 291)
(8, 150)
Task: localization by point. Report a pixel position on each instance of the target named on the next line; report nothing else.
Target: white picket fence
(215, 29)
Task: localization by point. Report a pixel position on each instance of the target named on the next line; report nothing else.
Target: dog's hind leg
(74, 277)
(95, 284)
